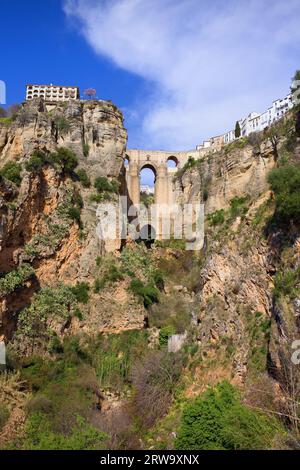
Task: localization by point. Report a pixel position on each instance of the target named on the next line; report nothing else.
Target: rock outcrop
(224, 175)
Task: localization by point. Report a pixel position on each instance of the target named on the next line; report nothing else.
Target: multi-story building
(254, 122)
(147, 189)
(229, 137)
(52, 92)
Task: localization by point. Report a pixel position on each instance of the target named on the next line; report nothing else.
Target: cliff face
(35, 226)
(221, 176)
(93, 129)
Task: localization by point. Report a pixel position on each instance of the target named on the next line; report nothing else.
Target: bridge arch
(172, 162)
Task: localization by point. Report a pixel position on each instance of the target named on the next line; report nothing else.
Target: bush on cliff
(12, 172)
(65, 159)
(102, 184)
(218, 420)
(15, 279)
(149, 294)
(82, 436)
(83, 178)
(285, 183)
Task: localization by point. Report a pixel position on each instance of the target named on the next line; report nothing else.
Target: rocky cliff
(37, 226)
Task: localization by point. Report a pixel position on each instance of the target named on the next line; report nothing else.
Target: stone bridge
(157, 161)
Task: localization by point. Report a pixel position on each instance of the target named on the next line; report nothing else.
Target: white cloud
(209, 61)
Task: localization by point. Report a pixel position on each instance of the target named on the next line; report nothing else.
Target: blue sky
(181, 70)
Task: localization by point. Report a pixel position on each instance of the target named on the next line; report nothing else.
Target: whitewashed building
(52, 92)
(147, 189)
(229, 137)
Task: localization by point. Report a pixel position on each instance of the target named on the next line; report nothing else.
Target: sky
(180, 70)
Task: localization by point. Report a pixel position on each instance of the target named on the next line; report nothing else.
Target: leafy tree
(12, 172)
(237, 131)
(66, 159)
(61, 125)
(285, 183)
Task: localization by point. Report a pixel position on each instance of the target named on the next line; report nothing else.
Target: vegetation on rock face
(63, 159)
(105, 189)
(12, 172)
(83, 178)
(237, 131)
(15, 279)
(285, 183)
(218, 420)
(82, 436)
(148, 293)
(49, 304)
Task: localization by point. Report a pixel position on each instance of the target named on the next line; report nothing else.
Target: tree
(237, 131)
(285, 183)
(66, 159)
(90, 93)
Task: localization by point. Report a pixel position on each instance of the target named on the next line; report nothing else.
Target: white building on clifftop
(52, 92)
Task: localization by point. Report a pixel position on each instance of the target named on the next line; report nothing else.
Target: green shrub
(12, 172)
(83, 178)
(217, 217)
(98, 285)
(114, 354)
(158, 279)
(61, 124)
(149, 294)
(40, 436)
(47, 303)
(15, 279)
(102, 184)
(238, 144)
(164, 335)
(238, 206)
(110, 276)
(65, 159)
(86, 149)
(81, 292)
(74, 214)
(286, 283)
(99, 261)
(36, 162)
(218, 420)
(285, 183)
